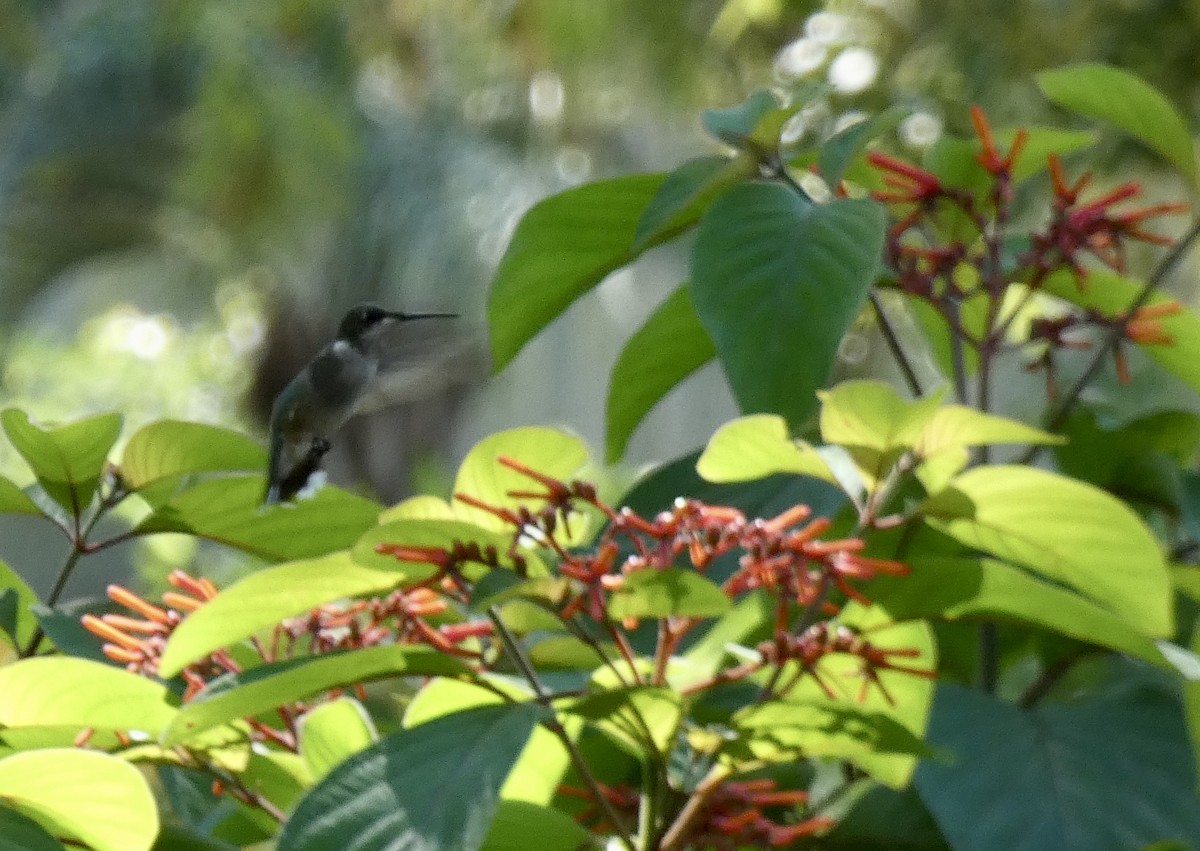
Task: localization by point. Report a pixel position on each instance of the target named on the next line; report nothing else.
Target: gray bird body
(322, 396)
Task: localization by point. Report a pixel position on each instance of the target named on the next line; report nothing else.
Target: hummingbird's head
(364, 322)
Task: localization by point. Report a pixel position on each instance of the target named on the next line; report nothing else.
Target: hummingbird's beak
(404, 317)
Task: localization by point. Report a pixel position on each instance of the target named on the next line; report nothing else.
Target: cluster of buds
(1079, 230)
(734, 817)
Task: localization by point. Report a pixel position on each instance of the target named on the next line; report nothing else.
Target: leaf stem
(555, 726)
(893, 344)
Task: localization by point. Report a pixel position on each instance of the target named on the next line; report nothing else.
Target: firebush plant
(843, 624)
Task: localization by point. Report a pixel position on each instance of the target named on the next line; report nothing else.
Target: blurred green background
(193, 191)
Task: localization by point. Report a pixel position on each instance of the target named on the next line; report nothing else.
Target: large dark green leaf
(685, 195)
(1126, 101)
(777, 281)
(228, 510)
(662, 353)
(429, 788)
(68, 460)
(565, 245)
(260, 689)
(20, 833)
(1104, 774)
(844, 147)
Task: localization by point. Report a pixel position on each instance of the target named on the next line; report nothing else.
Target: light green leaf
(874, 424)
(662, 353)
(564, 246)
(430, 787)
(169, 448)
(911, 695)
(520, 825)
(778, 281)
(757, 446)
(67, 460)
(641, 719)
(86, 796)
(1066, 530)
(685, 195)
(265, 598)
(332, 732)
(1127, 102)
(545, 450)
(260, 689)
(671, 592)
(228, 510)
(738, 626)
(61, 691)
(958, 426)
(420, 507)
(23, 621)
(1111, 294)
(785, 730)
(955, 588)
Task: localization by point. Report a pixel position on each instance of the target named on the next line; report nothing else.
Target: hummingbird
(323, 395)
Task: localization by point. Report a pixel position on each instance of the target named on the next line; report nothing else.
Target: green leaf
(169, 448)
(60, 691)
(1111, 294)
(787, 730)
(662, 353)
(955, 588)
(1040, 143)
(260, 689)
(13, 500)
(545, 450)
(755, 124)
(431, 787)
(86, 796)
(520, 825)
(265, 598)
(564, 246)
(778, 281)
(1102, 773)
(844, 147)
(685, 195)
(958, 426)
(641, 719)
(333, 732)
(672, 592)
(757, 446)
(21, 833)
(1066, 530)
(228, 510)
(67, 460)
(1127, 102)
(874, 424)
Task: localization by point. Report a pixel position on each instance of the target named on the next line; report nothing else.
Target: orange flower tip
(97, 627)
(83, 737)
(124, 655)
(181, 602)
(125, 597)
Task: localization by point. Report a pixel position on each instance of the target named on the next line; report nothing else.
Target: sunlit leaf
(1127, 102)
(417, 534)
(87, 796)
(267, 597)
(426, 788)
(23, 622)
(788, 730)
(1064, 529)
(777, 281)
(958, 426)
(669, 347)
(67, 460)
(756, 446)
(259, 689)
(736, 627)
(62, 691)
(520, 825)
(670, 592)
(13, 500)
(332, 732)
(564, 246)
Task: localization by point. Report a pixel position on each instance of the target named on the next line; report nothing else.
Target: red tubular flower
(1145, 326)
(990, 157)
